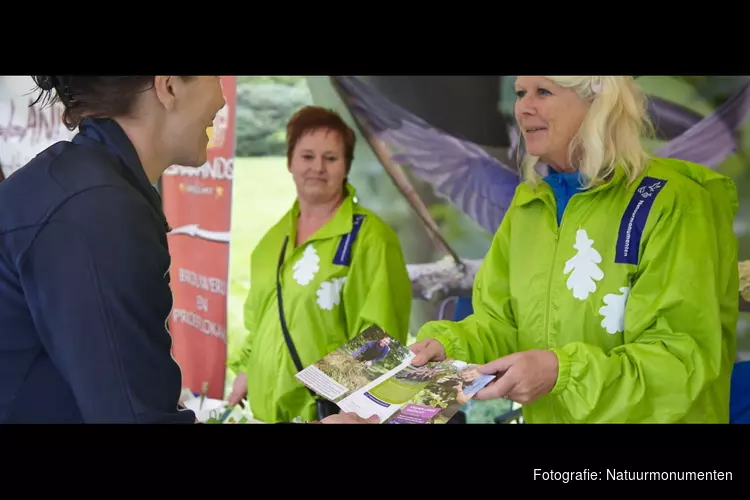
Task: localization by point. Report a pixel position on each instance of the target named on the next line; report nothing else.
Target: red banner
(197, 203)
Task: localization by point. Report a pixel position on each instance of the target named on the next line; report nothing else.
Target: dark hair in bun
(91, 96)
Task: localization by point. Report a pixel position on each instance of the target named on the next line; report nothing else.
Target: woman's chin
(538, 152)
(317, 194)
(200, 159)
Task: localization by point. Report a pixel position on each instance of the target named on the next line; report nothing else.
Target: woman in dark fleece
(84, 261)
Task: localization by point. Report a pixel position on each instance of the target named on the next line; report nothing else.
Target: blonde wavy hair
(611, 133)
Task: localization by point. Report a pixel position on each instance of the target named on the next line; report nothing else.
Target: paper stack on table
(215, 410)
(211, 408)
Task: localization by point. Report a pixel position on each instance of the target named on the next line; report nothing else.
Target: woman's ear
(164, 87)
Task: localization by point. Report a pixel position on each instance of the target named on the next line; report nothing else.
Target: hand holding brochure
(372, 374)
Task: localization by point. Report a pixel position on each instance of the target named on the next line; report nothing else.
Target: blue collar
(564, 186)
(565, 180)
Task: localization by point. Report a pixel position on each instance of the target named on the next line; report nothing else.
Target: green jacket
(326, 303)
(635, 292)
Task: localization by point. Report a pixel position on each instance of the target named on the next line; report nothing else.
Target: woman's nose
(527, 108)
(526, 105)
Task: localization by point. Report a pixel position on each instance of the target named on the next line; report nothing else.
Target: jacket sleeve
(674, 344)
(378, 289)
(490, 332)
(95, 278)
(239, 358)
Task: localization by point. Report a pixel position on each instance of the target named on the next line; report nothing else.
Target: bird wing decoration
(710, 141)
(670, 119)
(477, 183)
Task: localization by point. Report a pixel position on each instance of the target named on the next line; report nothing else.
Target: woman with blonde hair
(609, 293)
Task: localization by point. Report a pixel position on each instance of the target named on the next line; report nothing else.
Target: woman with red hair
(325, 272)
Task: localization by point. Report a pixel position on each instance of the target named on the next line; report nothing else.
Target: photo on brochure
(372, 374)
(361, 361)
(449, 386)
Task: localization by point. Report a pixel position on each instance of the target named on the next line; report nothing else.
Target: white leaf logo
(329, 293)
(614, 311)
(307, 266)
(585, 271)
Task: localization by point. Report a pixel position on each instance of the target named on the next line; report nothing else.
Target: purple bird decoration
(476, 182)
(712, 140)
(670, 119)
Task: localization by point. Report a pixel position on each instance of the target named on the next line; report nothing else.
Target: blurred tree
(263, 109)
(296, 81)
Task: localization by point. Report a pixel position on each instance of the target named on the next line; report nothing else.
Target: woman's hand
(523, 377)
(349, 418)
(427, 350)
(239, 390)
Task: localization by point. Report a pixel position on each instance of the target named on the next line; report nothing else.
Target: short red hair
(312, 118)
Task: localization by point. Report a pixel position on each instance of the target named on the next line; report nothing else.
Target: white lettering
(201, 303)
(630, 229)
(213, 285)
(626, 475)
(219, 168)
(205, 326)
(199, 189)
(565, 476)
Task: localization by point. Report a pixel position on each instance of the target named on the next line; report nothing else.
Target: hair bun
(46, 83)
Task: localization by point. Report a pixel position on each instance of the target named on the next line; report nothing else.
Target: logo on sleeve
(634, 220)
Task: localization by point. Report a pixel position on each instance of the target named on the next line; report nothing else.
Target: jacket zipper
(551, 275)
(548, 314)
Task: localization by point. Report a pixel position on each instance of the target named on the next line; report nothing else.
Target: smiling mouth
(535, 129)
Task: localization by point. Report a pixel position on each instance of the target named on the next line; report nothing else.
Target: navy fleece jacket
(84, 288)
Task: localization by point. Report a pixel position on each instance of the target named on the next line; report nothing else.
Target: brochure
(372, 374)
